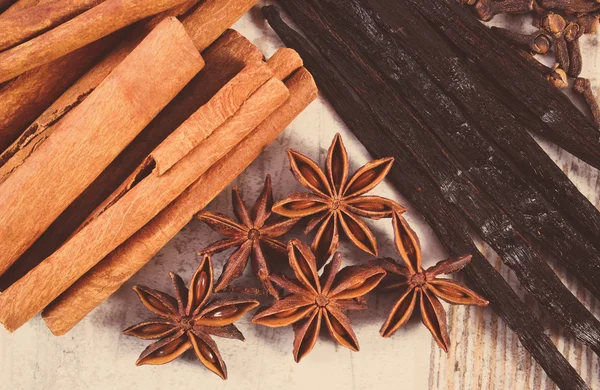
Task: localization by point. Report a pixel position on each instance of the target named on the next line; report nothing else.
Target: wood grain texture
(88, 27)
(113, 115)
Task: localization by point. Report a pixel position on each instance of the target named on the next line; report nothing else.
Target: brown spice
(423, 287)
(250, 235)
(572, 34)
(487, 9)
(537, 42)
(313, 300)
(583, 87)
(336, 199)
(188, 320)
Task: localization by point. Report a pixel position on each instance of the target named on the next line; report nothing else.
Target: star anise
(250, 235)
(422, 288)
(313, 300)
(335, 200)
(187, 321)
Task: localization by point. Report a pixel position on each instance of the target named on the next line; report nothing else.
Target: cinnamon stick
(98, 22)
(19, 26)
(25, 97)
(19, 5)
(207, 22)
(224, 59)
(110, 274)
(136, 203)
(40, 189)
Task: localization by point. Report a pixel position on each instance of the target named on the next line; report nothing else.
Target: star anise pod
(335, 199)
(187, 321)
(313, 300)
(251, 235)
(422, 288)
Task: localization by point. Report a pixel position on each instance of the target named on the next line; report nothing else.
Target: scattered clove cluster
(560, 23)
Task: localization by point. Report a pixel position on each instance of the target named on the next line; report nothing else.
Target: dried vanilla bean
(487, 9)
(424, 195)
(572, 34)
(537, 42)
(583, 87)
(532, 98)
(336, 34)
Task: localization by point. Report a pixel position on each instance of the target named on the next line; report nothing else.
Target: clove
(571, 6)
(468, 2)
(583, 87)
(487, 9)
(588, 23)
(572, 34)
(537, 42)
(538, 13)
(556, 76)
(555, 25)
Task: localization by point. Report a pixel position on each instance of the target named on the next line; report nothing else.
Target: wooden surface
(484, 354)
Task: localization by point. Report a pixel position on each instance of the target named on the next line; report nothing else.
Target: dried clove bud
(588, 22)
(537, 42)
(571, 6)
(538, 13)
(572, 34)
(557, 77)
(468, 2)
(583, 87)
(555, 24)
(487, 9)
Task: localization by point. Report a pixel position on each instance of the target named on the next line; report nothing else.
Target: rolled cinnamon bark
(224, 59)
(26, 97)
(143, 199)
(41, 188)
(118, 267)
(23, 4)
(19, 26)
(98, 22)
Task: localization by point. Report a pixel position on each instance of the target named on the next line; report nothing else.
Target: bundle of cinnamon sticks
(99, 170)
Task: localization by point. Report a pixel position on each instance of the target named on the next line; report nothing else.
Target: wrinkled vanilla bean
(529, 96)
(425, 196)
(336, 36)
